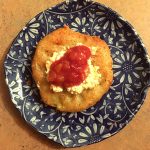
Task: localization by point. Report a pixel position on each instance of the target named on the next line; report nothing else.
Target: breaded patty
(55, 42)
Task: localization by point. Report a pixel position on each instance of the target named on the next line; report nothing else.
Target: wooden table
(15, 134)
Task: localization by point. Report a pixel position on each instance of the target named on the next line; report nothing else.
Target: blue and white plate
(130, 65)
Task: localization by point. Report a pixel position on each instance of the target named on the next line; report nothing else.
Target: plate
(117, 107)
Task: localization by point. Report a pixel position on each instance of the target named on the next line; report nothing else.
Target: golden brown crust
(64, 101)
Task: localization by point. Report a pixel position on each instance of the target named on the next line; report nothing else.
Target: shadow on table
(9, 106)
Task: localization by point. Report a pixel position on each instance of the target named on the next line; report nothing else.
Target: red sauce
(70, 70)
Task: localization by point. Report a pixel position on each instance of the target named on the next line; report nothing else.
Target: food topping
(92, 76)
(71, 69)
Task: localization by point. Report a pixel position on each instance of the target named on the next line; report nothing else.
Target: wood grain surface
(15, 134)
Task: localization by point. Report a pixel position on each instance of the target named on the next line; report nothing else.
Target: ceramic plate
(117, 107)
